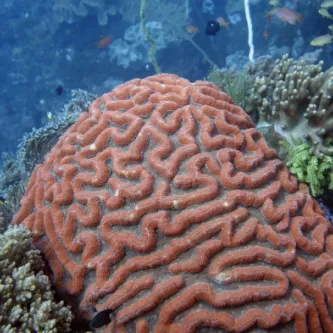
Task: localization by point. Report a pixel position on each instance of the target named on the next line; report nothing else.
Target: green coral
(27, 302)
(308, 167)
(235, 84)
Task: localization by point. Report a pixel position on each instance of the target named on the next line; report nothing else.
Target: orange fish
(222, 22)
(104, 42)
(192, 29)
(286, 15)
(266, 34)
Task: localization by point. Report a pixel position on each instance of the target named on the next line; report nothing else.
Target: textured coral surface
(165, 204)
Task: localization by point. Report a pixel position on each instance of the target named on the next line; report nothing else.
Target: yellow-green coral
(235, 84)
(27, 302)
(309, 168)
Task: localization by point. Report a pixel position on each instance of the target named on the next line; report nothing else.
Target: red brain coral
(165, 204)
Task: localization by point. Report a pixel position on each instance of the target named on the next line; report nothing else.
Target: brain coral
(164, 204)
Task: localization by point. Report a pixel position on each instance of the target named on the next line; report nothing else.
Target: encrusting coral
(36, 144)
(165, 206)
(27, 302)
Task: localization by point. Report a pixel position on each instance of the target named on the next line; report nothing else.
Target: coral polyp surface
(164, 205)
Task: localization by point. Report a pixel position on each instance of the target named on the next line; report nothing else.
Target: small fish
(2, 200)
(104, 42)
(222, 22)
(285, 14)
(266, 34)
(49, 116)
(192, 29)
(59, 90)
(322, 40)
(324, 13)
(101, 318)
(212, 28)
(327, 4)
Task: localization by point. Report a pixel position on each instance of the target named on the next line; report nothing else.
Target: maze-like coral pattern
(166, 205)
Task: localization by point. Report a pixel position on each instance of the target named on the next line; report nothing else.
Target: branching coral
(296, 100)
(27, 302)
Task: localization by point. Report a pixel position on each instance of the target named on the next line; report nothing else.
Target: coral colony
(162, 197)
(137, 201)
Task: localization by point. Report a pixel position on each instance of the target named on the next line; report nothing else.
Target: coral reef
(4, 221)
(288, 99)
(238, 81)
(16, 169)
(326, 204)
(165, 206)
(235, 84)
(12, 187)
(309, 168)
(296, 99)
(27, 302)
(164, 22)
(66, 10)
(36, 144)
(134, 47)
